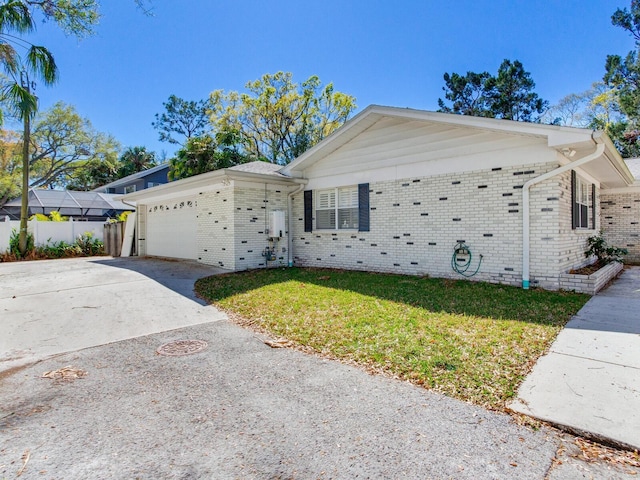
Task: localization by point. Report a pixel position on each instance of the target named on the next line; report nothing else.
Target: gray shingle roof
(265, 168)
(134, 176)
(634, 166)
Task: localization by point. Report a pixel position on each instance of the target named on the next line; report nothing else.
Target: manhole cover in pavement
(181, 347)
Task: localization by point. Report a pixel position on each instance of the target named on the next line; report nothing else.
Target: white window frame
(129, 189)
(153, 184)
(343, 202)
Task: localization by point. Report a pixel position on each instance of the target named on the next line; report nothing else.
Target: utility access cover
(179, 348)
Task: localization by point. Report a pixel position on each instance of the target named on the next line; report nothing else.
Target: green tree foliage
(17, 20)
(64, 143)
(183, 119)
(134, 160)
(10, 165)
(508, 95)
(94, 173)
(204, 154)
(594, 108)
(468, 94)
(622, 76)
(279, 119)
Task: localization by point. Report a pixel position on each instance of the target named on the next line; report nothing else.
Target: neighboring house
(138, 181)
(396, 190)
(90, 206)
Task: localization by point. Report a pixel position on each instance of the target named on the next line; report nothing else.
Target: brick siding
(621, 222)
(416, 222)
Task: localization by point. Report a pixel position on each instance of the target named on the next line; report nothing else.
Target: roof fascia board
(205, 180)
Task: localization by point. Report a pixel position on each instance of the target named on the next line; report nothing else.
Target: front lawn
(472, 341)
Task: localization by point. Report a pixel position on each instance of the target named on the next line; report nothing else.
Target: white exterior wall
(424, 199)
(416, 222)
(621, 221)
(215, 236)
(251, 217)
(572, 243)
(232, 225)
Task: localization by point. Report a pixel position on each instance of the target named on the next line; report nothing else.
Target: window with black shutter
(583, 202)
(308, 210)
(363, 207)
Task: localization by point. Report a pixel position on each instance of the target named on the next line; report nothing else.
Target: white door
(171, 229)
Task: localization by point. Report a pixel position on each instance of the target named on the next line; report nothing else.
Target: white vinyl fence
(49, 232)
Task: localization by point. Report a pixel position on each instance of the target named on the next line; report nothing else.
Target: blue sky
(382, 52)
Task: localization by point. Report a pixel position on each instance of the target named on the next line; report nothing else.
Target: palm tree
(16, 20)
(136, 159)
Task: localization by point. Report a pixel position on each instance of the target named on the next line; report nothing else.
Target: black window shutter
(308, 210)
(593, 206)
(575, 212)
(363, 207)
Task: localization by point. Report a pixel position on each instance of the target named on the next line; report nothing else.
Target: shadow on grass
(433, 294)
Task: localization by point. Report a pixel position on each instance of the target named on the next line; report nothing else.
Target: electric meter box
(277, 226)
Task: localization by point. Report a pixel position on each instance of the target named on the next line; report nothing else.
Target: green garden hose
(461, 260)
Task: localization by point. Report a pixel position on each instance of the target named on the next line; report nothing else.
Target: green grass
(472, 341)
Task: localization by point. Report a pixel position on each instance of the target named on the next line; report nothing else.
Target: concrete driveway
(589, 382)
(55, 306)
(238, 409)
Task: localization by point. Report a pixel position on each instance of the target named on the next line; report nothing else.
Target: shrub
(54, 216)
(604, 252)
(88, 245)
(14, 242)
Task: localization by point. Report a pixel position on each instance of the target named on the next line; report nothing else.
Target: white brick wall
(251, 216)
(621, 222)
(416, 222)
(232, 226)
(216, 227)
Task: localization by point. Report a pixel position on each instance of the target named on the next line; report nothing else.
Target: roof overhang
(204, 182)
(610, 170)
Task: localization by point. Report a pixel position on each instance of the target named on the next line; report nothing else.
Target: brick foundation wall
(416, 222)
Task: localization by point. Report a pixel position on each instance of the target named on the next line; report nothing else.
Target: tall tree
(182, 120)
(63, 142)
(509, 95)
(623, 77)
(468, 94)
(204, 154)
(136, 159)
(277, 118)
(512, 95)
(10, 165)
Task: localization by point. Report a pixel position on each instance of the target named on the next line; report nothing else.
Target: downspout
(526, 222)
(290, 226)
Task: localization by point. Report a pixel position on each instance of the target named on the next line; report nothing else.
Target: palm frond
(41, 62)
(9, 58)
(15, 16)
(20, 100)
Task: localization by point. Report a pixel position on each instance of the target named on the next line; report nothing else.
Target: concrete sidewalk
(589, 382)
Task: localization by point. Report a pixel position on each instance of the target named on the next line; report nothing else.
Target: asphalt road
(241, 409)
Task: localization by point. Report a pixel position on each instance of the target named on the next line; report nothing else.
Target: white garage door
(171, 229)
